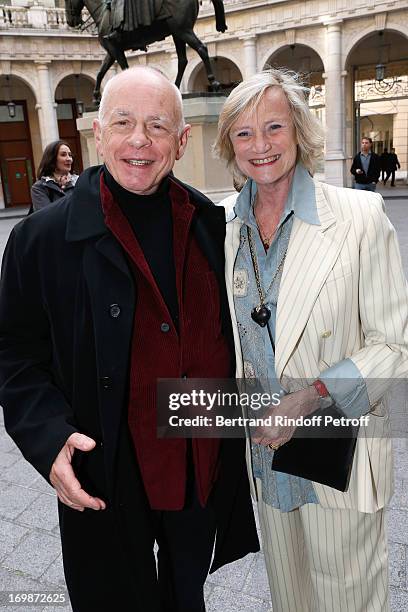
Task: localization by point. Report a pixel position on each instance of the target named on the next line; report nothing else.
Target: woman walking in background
(54, 175)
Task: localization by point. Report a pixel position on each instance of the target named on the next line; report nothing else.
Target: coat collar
(85, 215)
(86, 220)
(301, 199)
(51, 184)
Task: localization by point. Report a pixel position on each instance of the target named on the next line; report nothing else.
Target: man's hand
(64, 481)
(359, 171)
(294, 405)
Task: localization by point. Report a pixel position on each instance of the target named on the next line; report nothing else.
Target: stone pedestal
(90, 156)
(198, 166)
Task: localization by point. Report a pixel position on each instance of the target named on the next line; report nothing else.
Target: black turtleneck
(150, 217)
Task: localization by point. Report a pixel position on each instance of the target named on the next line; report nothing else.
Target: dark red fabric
(199, 350)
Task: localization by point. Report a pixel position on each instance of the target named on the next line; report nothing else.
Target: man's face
(139, 137)
(365, 146)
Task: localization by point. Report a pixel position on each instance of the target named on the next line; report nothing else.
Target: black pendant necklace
(261, 313)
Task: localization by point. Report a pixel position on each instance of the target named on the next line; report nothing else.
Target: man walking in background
(366, 167)
(391, 167)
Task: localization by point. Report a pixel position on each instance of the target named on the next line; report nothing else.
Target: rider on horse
(128, 15)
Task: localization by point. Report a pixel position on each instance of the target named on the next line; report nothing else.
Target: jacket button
(106, 382)
(165, 327)
(114, 311)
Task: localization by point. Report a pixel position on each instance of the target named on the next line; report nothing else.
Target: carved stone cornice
(290, 36)
(5, 67)
(266, 16)
(247, 36)
(380, 21)
(333, 22)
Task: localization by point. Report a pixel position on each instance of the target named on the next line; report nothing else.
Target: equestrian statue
(134, 24)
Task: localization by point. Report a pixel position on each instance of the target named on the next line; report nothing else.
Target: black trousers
(387, 176)
(185, 539)
(108, 555)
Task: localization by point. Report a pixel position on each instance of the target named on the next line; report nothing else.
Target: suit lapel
(312, 253)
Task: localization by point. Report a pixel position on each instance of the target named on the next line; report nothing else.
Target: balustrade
(13, 17)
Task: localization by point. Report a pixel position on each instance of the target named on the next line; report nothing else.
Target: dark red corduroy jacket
(198, 350)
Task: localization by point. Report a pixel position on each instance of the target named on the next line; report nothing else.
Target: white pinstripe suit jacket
(344, 277)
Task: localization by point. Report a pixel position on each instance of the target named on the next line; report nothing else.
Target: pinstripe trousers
(324, 559)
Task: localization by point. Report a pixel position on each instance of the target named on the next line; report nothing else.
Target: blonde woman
(315, 279)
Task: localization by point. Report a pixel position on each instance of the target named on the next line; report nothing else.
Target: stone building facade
(46, 68)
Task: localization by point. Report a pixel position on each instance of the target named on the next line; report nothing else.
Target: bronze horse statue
(134, 24)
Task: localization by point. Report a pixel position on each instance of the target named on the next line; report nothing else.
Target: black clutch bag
(323, 454)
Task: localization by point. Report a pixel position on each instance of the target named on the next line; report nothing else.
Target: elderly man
(118, 285)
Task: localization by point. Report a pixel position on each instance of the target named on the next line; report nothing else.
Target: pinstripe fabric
(344, 276)
(325, 560)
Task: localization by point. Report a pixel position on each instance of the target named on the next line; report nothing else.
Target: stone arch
(368, 98)
(357, 38)
(26, 145)
(73, 95)
(191, 71)
(69, 71)
(22, 76)
(195, 65)
(279, 47)
(226, 72)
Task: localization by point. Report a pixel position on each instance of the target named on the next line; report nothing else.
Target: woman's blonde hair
(246, 97)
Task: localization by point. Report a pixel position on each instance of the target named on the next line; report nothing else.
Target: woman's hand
(294, 405)
(64, 180)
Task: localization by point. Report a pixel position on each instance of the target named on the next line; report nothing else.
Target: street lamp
(78, 102)
(382, 84)
(380, 72)
(11, 107)
(80, 108)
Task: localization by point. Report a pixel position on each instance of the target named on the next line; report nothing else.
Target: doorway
(67, 116)
(16, 156)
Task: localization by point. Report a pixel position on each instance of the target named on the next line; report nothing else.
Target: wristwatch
(320, 388)
(325, 399)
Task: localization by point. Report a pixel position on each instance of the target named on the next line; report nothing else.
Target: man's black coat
(392, 162)
(374, 169)
(64, 362)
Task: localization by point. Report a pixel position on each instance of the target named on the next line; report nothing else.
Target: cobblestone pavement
(30, 557)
